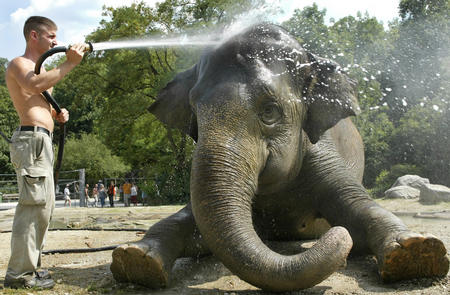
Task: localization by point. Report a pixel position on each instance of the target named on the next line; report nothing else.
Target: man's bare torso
(32, 108)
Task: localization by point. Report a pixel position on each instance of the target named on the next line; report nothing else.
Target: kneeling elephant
(276, 153)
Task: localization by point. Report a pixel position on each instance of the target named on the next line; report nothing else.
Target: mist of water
(271, 11)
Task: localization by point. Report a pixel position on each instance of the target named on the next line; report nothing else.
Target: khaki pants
(32, 156)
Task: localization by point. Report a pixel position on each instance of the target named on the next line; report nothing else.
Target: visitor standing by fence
(111, 193)
(102, 195)
(67, 196)
(133, 192)
(126, 193)
(95, 194)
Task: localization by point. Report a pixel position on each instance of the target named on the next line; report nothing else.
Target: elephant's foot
(137, 263)
(413, 256)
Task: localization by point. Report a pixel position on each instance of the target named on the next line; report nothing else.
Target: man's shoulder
(19, 63)
(20, 60)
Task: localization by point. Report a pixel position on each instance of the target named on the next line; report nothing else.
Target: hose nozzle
(88, 47)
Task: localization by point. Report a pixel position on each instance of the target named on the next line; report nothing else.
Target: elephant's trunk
(223, 185)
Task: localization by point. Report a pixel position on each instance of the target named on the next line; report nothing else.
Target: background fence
(9, 192)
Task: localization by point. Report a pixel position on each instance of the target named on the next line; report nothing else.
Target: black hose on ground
(84, 250)
(87, 229)
(80, 250)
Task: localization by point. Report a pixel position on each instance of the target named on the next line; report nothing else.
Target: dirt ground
(88, 273)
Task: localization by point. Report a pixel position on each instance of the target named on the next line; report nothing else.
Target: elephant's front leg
(401, 253)
(149, 261)
(342, 200)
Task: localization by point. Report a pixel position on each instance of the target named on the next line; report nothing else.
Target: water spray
(153, 43)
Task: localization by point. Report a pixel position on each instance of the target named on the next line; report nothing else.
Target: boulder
(434, 193)
(414, 181)
(402, 192)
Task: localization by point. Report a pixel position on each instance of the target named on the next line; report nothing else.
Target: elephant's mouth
(278, 172)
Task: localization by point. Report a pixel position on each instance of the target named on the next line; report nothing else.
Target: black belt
(34, 128)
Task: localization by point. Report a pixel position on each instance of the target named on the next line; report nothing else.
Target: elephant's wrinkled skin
(276, 156)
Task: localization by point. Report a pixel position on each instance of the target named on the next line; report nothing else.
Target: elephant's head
(253, 104)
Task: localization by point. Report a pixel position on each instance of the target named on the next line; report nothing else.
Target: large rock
(402, 192)
(434, 193)
(414, 181)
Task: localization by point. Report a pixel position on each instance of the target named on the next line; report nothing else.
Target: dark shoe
(40, 283)
(43, 274)
(29, 282)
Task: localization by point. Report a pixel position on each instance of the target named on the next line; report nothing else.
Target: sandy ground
(88, 273)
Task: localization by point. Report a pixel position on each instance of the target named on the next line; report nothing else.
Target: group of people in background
(128, 191)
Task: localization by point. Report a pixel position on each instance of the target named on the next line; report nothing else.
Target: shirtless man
(31, 151)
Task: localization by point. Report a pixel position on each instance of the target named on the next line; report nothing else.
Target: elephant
(277, 158)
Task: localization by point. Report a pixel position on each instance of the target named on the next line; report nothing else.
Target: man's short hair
(37, 23)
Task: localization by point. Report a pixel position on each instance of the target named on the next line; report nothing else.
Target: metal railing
(9, 191)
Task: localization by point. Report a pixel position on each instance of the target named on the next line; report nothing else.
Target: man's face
(46, 39)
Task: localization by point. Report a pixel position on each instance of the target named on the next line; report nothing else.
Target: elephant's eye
(270, 114)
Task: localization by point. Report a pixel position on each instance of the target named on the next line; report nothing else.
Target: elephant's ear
(172, 104)
(330, 96)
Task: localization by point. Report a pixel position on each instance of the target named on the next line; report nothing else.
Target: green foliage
(422, 138)
(8, 122)
(420, 63)
(173, 178)
(417, 9)
(3, 64)
(179, 15)
(415, 67)
(308, 25)
(359, 42)
(90, 153)
(376, 130)
(80, 96)
(387, 178)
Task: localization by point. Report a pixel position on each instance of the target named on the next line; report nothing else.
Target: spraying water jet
(153, 43)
